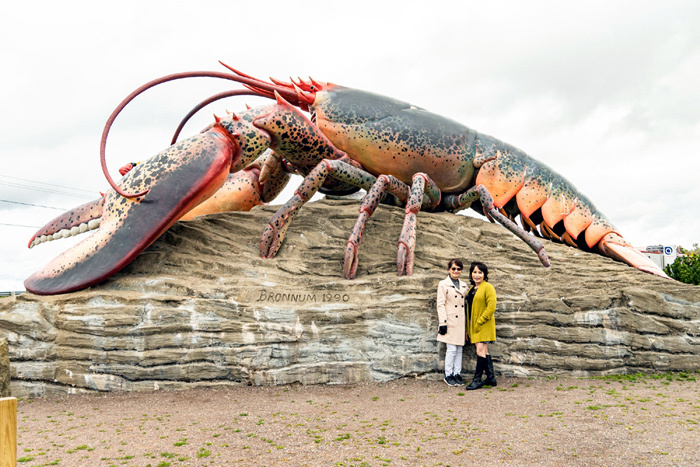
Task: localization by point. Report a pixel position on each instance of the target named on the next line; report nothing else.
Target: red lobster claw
(177, 179)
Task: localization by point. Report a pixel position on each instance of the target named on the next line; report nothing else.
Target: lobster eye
(312, 87)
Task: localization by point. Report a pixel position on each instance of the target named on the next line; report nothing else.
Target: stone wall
(201, 308)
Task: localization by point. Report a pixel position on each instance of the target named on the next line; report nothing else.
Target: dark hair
(456, 262)
(482, 267)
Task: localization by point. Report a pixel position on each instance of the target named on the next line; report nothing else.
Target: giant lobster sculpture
(398, 153)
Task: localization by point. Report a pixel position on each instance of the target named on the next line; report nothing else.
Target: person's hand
(442, 330)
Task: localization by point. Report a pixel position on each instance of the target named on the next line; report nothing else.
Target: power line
(45, 183)
(35, 205)
(44, 190)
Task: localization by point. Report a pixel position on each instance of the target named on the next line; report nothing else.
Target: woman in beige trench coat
(452, 321)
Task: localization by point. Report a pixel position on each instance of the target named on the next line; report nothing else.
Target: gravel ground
(642, 420)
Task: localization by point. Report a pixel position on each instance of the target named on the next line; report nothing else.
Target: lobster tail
(579, 220)
(545, 198)
(614, 246)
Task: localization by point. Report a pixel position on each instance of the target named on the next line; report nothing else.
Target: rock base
(201, 308)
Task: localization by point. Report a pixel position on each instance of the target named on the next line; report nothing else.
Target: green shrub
(685, 269)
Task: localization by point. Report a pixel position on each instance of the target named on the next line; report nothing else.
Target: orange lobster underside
(555, 204)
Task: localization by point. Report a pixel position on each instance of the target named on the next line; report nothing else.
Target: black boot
(490, 377)
(480, 366)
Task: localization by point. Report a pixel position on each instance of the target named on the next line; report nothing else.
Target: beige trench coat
(450, 309)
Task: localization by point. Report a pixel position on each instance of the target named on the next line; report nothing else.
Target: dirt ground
(630, 420)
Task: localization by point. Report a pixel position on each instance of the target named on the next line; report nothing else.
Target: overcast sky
(606, 93)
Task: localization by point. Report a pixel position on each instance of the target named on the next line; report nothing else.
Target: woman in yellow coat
(481, 327)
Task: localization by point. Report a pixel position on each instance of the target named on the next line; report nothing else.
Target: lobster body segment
(510, 173)
(388, 136)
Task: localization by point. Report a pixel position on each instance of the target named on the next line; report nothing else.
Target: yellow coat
(482, 323)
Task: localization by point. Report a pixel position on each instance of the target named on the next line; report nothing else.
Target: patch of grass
(641, 377)
(181, 442)
(82, 447)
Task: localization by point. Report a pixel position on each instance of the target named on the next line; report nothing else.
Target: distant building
(662, 255)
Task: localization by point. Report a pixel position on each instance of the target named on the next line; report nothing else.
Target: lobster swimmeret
(399, 153)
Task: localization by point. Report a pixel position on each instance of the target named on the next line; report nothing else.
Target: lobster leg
(383, 184)
(568, 240)
(338, 169)
(461, 200)
(407, 242)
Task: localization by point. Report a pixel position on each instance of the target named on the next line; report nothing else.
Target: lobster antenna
(206, 102)
(150, 84)
(264, 88)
